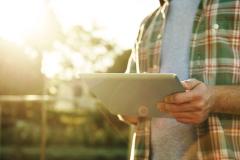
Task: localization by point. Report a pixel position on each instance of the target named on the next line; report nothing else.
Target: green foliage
(79, 51)
(65, 153)
(81, 134)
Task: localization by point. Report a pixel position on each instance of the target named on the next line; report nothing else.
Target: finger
(186, 107)
(191, 120)
(193, 117)
(128, 119)
(161, 107)
(179, 98)
(185, 121)
(190, 84)
(183, 115)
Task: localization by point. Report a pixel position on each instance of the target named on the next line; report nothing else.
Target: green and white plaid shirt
(214, 60)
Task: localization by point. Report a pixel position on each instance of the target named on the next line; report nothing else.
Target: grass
(63, 153)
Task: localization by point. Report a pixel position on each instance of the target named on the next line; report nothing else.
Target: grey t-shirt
(170, 139)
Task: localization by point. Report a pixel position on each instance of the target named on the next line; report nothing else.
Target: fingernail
(185, 84)
(161, 107)
(166, 99)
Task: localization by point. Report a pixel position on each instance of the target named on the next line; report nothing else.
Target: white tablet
(132, 94)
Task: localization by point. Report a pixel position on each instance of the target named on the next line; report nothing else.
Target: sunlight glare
(117, 20)
(51, 64)
(20, 18)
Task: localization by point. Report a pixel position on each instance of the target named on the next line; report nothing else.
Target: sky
(117, 20)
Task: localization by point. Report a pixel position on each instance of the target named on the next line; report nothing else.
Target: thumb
(190, 83)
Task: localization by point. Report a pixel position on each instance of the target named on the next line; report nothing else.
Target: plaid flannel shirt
(214, 60)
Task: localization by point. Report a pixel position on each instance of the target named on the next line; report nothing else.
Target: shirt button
(143, 111)
(159, 36)
(215, 26)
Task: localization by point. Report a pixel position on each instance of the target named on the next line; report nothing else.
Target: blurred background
(46, 113)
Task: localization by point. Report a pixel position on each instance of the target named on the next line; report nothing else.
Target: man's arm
(128, 119)
(194, 105)
(227, 99)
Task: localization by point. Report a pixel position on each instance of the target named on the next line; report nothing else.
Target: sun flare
(20, 18)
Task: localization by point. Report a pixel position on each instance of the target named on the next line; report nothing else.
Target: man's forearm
(194, 105)
(226, 99)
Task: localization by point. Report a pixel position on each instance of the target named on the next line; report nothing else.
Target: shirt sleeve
(133, 59)
(140, 147)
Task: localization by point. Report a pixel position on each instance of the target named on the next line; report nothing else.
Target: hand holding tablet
(132, 94)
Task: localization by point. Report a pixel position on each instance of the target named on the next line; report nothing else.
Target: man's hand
(192, 106)
(132, 120)
(128, 119)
